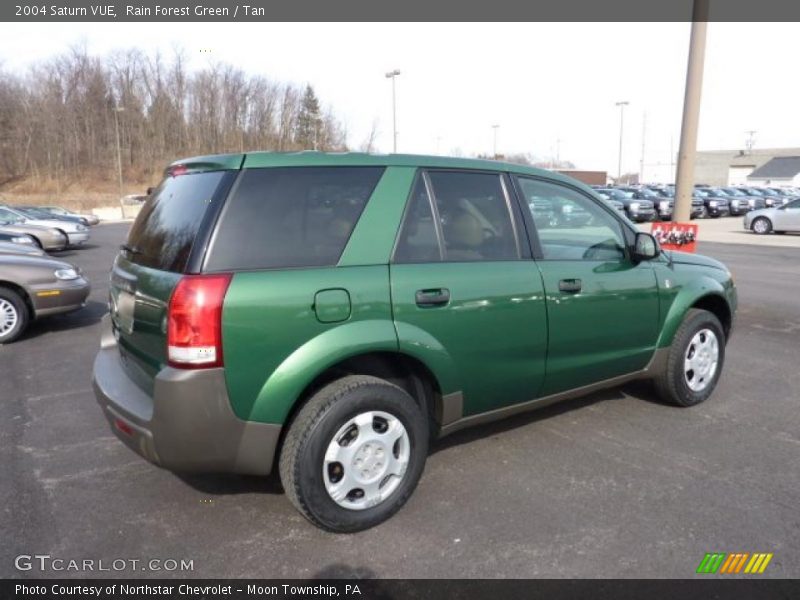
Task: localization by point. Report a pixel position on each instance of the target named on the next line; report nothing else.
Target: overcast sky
(550, 87)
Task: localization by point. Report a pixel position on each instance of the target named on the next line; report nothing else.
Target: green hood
(687, 258)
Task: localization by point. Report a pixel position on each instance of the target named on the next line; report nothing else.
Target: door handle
(570, 286)
(433, 297)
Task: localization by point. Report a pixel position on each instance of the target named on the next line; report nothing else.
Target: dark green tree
(309, 121)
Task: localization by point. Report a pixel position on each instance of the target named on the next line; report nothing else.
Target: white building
(780, 171)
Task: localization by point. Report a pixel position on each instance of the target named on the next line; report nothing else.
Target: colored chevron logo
(725, 563)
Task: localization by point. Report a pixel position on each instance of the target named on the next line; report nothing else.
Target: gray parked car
(47, 238)
(59, 211)
(32, 287)
(77, 233)
(779, 219)
(15, 248)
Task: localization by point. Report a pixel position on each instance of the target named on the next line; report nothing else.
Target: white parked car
(778, 219)
(76, 233)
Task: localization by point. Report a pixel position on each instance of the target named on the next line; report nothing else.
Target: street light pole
(684, 183)
(622, 104)
(392, 75)
(494, 143)
(117, 110)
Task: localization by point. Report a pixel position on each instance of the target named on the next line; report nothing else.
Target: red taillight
(194, 321)
(177, 170)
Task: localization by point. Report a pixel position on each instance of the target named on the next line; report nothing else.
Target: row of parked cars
(653, 202)
(32, 284)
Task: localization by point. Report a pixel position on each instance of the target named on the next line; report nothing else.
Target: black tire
(767, 225)
(313, 429)
(12, 301)
(671, 383)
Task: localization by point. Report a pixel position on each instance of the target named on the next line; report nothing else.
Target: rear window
(165, 229)
(290, 217)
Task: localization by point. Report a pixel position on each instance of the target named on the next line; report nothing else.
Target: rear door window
(165, 229)
(475, 216)
(290, 217)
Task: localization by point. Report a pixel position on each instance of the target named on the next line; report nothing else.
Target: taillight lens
(194, 321)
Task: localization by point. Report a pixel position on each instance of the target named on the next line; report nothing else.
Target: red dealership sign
(676, 236)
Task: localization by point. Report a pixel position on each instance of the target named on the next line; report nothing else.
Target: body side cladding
(657, 362)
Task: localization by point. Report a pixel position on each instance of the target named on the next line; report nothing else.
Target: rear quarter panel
(274, 344)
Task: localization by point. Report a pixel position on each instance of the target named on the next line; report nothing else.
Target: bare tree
(57, 121)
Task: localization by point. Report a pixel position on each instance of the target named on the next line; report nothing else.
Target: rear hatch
(166, 241)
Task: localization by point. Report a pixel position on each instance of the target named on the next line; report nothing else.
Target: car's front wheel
(695, 360)
(761, 225)
(13, 315)
(354, 453)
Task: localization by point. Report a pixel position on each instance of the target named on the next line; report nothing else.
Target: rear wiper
(130, 249)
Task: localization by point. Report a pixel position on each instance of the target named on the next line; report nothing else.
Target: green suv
(329, 315)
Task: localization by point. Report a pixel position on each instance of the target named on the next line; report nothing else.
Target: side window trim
(527, 219)
(624, 229)
(511, 215)
(437, 221)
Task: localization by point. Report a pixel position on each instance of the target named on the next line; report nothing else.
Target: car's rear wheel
(354, 453)
(695, 360)
(761, 225)
(13, 315)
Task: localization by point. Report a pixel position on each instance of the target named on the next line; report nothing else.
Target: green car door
(603, 308)
(467, 299)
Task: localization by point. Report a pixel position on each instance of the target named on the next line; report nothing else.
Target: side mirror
(645, 247)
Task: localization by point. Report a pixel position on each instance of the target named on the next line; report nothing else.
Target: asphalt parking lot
(611, 485)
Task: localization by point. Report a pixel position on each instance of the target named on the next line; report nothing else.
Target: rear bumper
(187, 424)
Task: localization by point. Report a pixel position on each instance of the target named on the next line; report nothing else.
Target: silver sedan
(778, 219)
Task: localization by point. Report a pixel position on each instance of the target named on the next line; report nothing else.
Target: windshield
(612, 193)
(733, 192)
(701, 193)
(34, 213)
(7, 216)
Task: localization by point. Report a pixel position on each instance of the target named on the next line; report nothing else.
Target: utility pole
(691, 112)
(622, 104)
(392, 75)
(641, 161)
(750, 140)
(494, 145)
(117, 110)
